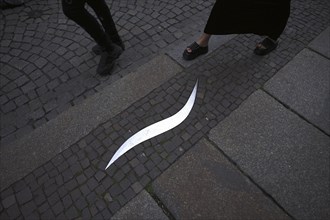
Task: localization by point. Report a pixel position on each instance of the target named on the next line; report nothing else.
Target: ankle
(202, 43)
(203, 40)
(272, 39)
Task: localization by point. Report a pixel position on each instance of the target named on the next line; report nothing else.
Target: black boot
(97, 49)
(108, 59)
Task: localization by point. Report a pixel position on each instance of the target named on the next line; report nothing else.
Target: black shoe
(265, 47)
(119, 42)
(97, 49)
(196, 51)
(108, 60)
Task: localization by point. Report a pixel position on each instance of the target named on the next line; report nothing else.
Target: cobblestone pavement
(74, 184)
(46, 61)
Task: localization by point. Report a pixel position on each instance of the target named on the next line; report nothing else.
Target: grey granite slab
(304, 85)
(203, 184)
(285, 155)
(321, 44)
(142, 207)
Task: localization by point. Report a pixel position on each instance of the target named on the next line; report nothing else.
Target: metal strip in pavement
(156, 128)
(19, 158)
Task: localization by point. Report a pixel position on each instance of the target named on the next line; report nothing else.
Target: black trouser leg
(284, 20)
(75, 10)
(103, 13)
(274, 36)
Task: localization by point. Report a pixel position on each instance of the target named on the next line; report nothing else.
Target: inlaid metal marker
(156, 128)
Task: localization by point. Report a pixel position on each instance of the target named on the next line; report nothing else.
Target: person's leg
(103, 13)
(75, 10)
(271, 41)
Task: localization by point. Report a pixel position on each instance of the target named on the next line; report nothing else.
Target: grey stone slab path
(143, 206)
(322, 43)
(304, 86)
(54, 137)
(285, 155)
(203, 184)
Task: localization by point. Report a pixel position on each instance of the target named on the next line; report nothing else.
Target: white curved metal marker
(157, 128)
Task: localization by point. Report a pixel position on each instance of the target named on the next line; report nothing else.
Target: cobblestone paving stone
(74, 184)
(46, 61)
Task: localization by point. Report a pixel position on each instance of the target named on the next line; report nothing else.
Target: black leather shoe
(108, 60)
(97, 49)
(265, 47)
(196, 51)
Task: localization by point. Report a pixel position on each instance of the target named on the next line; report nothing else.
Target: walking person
(109, 43)
(261, 17)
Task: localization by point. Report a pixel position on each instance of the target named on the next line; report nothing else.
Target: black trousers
(262, 17)
(76, 11)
